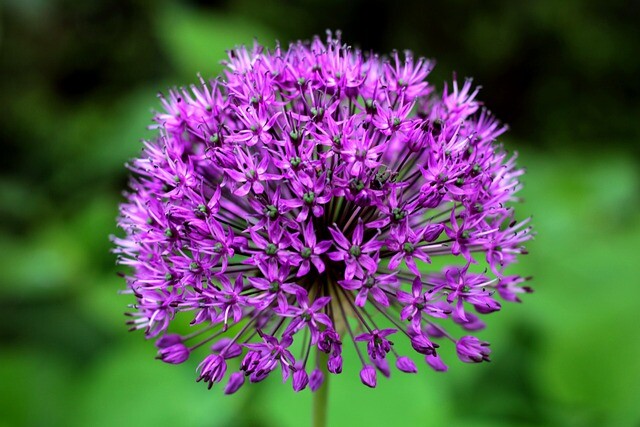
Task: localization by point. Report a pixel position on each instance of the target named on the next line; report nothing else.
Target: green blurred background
(78, 82)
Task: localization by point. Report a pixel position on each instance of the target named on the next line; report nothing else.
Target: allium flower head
(293, 206)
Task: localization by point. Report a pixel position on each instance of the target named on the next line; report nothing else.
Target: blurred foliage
(78, 81)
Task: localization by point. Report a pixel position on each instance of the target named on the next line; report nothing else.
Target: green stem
(320, 397)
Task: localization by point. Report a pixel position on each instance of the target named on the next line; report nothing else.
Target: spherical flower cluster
(294, 206)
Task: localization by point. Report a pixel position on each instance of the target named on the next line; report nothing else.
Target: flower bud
(236, 380)
(174, 354)
(368, 376)
(471, 350)
(316, 379)
(406, 365)
(436, 363)
(300, 380)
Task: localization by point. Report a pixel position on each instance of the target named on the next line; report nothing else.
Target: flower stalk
(321, 396)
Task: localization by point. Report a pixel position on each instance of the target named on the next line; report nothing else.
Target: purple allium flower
(236, 380)
(471, 350)
(316, 379)
(295, 203)
(407, 365)
(368, 376)
(175, 353)
(436, 363)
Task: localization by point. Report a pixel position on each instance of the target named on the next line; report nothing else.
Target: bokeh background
(77, 84)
